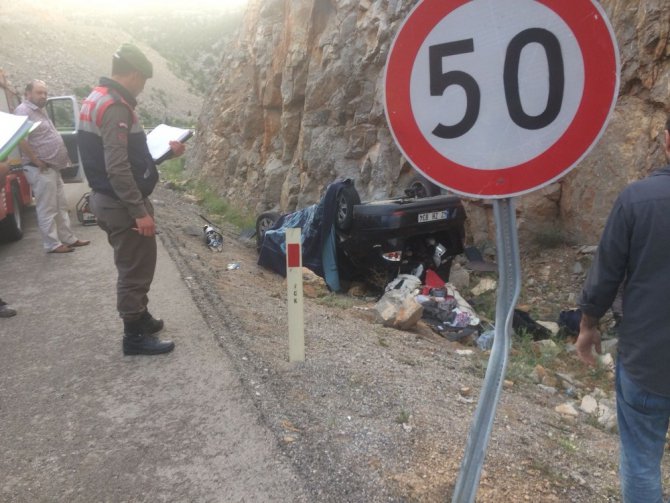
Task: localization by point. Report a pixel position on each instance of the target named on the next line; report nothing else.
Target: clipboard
(158, 141)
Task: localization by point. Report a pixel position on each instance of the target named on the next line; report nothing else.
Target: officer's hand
(145, 226)
(178, 148)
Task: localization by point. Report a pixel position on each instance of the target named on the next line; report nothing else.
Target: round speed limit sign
(496, 98)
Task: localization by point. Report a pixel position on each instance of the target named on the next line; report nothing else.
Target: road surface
(80, 422)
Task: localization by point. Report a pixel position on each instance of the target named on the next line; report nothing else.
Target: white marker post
(296, 325)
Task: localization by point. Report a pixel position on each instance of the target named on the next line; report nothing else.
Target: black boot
(150, 325)
(136, 342)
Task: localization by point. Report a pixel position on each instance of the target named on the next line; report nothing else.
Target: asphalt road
(80, 422)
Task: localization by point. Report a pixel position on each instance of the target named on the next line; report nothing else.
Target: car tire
(264, 222)
(421, 187)
(11, 227)
(346, 199)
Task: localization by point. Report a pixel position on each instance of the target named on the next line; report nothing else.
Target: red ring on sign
(595, 40)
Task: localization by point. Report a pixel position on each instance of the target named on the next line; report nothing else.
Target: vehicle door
(64, 113)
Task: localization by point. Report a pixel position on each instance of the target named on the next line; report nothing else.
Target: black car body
(373, 241)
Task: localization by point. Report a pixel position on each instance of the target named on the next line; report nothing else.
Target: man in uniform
(122, 174)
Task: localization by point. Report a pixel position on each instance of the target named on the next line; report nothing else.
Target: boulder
(399, 310)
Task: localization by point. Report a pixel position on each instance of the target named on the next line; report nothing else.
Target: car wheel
(345, 201)
(11, 227)
(264, 222)
(421, 187)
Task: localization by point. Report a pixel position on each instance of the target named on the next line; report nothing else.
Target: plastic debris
(234, 266)
(213, 238)
(485, 341)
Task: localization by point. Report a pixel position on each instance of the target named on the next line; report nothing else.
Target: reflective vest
(92, 151)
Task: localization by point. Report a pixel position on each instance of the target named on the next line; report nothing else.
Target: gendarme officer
(122, 175)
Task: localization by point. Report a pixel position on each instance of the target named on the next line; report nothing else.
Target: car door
(64, 113)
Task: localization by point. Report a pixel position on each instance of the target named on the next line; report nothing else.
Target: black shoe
(145, 345)
(149, 325)
(135, 342)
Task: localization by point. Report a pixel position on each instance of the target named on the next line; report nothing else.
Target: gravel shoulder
(378, 414)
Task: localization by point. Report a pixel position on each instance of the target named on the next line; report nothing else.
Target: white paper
(160, 137)
(9, 125)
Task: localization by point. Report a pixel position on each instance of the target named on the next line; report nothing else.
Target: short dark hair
(122, 67)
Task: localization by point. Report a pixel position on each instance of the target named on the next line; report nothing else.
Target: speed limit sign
(496, 98)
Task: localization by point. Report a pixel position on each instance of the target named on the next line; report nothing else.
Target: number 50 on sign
(495, 98)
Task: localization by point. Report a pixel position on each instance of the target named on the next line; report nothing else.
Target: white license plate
(430, 217)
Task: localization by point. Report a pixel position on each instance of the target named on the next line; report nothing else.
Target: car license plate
(430, 217)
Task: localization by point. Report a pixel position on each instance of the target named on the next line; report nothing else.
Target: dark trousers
(134, 255)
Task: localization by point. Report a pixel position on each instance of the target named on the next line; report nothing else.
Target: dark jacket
(635, 249)
(90, 140)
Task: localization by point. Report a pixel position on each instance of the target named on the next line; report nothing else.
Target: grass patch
(172, 170)
(403, 417)
(567, 445)
(216, 207)
(525, 356)
(485, 305)
(550, 237)
(337, 300)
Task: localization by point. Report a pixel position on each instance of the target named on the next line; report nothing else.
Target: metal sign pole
(509, 285)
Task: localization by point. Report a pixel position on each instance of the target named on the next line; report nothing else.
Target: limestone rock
(567, 409)
(299, 102)
(589, 404)
(546, 347)
(399, 310)
(552, 326)
(485, 285)
(459, 277)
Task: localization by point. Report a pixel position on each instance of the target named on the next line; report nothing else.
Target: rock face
(300, 102)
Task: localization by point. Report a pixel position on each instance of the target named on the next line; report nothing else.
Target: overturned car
(344, 239)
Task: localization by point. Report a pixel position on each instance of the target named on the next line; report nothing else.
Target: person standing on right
(634, 251)
(122, 175)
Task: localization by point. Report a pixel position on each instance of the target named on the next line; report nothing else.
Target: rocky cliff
(300, 102)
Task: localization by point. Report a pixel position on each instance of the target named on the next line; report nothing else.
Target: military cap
(136, 58)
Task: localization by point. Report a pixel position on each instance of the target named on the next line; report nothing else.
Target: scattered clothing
(522, 321)
(569, 320)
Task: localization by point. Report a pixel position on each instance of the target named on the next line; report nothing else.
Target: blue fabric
(273, 250)
(643, 423)
(329, 260)
(318, 239)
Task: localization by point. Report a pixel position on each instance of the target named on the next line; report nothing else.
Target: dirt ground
(377, 414)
